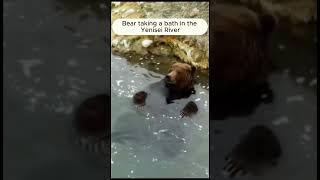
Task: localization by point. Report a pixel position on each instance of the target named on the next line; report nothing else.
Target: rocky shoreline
(189, 49)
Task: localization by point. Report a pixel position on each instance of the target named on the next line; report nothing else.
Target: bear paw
(139, 98)
(190, 109)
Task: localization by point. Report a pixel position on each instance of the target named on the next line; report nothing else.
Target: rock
(146, 43)
(128, 12)
(194, 12)
(188, 49)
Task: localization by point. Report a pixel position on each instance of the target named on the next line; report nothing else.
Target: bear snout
(168, 79)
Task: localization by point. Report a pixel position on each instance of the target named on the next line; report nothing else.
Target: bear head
(180, 77)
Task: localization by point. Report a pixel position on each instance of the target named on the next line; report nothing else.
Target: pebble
(128, 12)
(115, 42)
(146, 43)
(194, 12)
(116, 3)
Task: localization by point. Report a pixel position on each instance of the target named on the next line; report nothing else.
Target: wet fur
(179, 83)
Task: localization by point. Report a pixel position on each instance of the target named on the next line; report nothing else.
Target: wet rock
(189, 49)
(146, 43)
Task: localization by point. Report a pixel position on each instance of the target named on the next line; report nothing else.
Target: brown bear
(240, 64)
(177, 84)
(181, 78)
